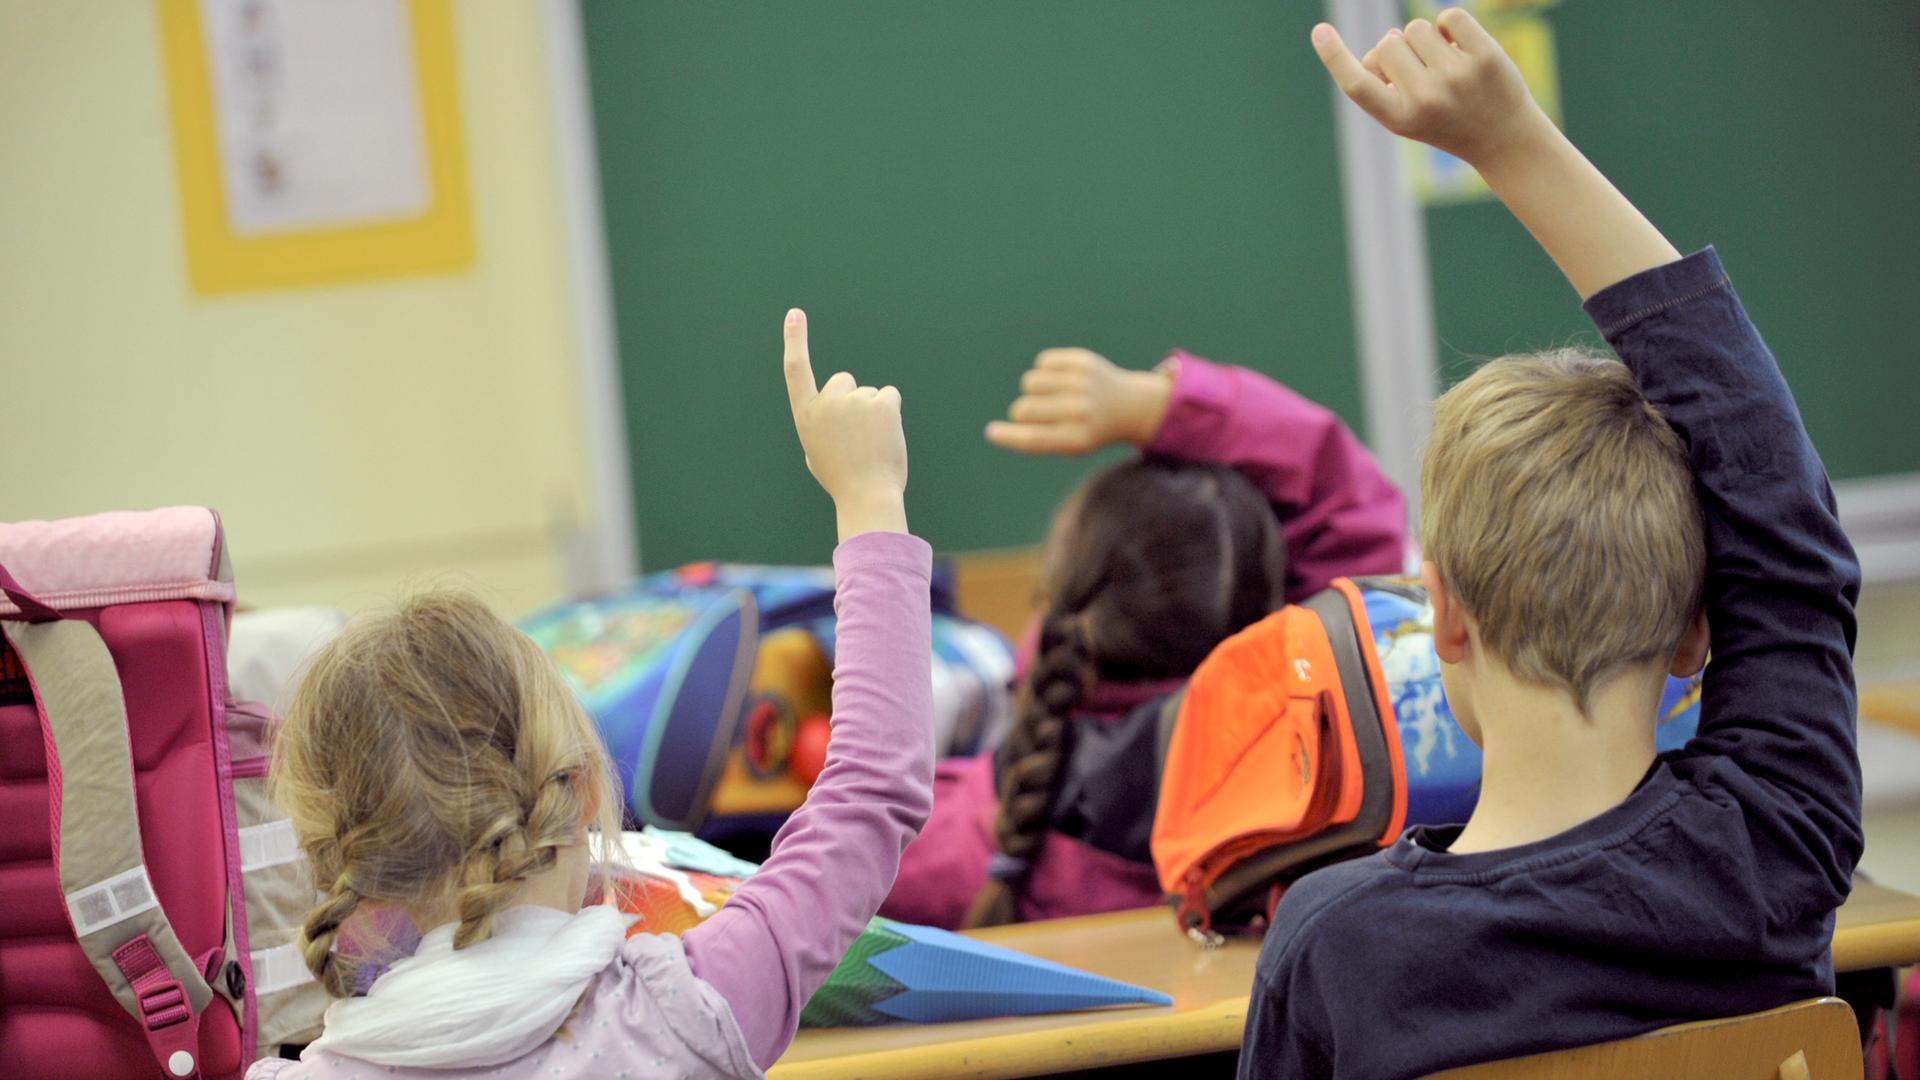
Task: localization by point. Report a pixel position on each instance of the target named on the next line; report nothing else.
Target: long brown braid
(1149, 565)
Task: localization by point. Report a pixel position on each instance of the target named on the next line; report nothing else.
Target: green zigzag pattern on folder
(847, 998)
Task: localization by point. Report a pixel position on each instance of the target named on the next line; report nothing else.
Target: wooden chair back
(1815, 1039)
(999, 587)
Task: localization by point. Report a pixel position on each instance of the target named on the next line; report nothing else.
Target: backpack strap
(116, 918)
(29, 604)
(1163, 738)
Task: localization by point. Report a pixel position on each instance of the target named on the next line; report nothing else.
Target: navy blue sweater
(1711, 890)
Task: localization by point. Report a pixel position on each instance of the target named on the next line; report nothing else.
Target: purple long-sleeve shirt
(1339, 513)
(725, 998)
(834, 860)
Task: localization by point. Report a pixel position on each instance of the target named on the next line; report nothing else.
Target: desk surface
(1896, 705)
(1877, 927)
(1209, 988)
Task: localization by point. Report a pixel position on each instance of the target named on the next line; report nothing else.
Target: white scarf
(485, 1004)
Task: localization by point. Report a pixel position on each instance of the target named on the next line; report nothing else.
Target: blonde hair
(433, 759)
(1560, 510)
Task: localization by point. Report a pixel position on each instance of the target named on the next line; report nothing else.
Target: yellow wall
(356, 439)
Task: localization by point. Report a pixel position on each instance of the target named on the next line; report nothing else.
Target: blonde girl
(437, 768)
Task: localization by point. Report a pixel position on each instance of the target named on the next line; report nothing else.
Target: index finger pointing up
(1366, 89)
(799, 366)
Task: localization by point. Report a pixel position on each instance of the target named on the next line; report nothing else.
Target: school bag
(893, 972)
(711, 687)
(1313, 736)
(1281, 754)
(152, 891)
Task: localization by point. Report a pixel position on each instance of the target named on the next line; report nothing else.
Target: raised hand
(1451, 85)
(1447, 83)
(1073, 401)
(852, 438)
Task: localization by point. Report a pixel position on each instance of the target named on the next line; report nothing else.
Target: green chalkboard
(1788, 138)
(947, 188)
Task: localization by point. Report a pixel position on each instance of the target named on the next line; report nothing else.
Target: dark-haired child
(1247, 496)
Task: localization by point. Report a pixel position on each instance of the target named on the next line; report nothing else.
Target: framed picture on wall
(315, 142)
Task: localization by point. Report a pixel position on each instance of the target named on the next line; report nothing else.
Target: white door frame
(608, 553)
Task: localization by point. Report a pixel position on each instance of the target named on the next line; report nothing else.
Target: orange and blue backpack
(1313, 736)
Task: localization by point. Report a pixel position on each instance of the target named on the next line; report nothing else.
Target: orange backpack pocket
(1282, 757)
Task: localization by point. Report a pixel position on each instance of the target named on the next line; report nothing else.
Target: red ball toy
(809, 754)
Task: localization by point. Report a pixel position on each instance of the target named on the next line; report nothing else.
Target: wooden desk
(1209, 988)
(1896, 705)
(1878, 927)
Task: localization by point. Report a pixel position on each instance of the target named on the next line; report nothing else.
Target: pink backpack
(151, 892)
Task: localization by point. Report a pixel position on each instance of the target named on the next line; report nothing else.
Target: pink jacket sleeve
(1339, 513)
(771, 946)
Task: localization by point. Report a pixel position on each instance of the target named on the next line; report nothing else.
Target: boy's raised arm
(1781, 578)
(1450, 85)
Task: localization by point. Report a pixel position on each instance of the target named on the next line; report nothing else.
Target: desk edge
(1212, 1029)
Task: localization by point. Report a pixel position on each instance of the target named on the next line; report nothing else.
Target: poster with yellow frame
(316, 142)
(1520, 26)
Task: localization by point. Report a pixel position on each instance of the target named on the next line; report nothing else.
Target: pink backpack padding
(113, 736)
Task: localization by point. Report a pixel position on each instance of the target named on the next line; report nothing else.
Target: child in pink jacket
(435, 764)
(1246, 496)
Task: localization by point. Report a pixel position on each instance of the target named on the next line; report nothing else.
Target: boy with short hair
(1587, 536)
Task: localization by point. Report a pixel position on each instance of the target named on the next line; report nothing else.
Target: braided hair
(434, 761)
(1149, 565)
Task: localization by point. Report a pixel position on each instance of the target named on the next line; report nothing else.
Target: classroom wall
(1791, 146)
(355, 438)
(950, 187)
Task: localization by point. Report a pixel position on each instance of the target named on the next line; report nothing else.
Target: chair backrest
(1815, 1039)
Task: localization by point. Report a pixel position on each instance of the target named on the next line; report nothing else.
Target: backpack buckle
(1206, 938)
(165, 1010)
(1191, 909)
(163, 1006)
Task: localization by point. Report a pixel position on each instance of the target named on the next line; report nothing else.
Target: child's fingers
(840, 382)
(1041, 410)
(1048, 381)
(1371, 62)
(1397, 59)
(1361, 87)
(1060, 359)
(1461, 28)
(1428, 45)
(797, 364)
(1029, 438)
